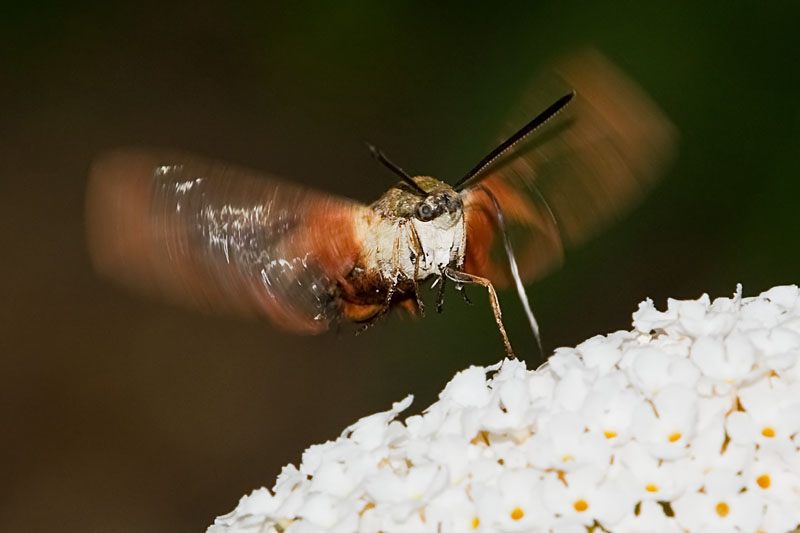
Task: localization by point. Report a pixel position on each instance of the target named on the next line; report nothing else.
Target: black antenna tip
(372, 150)
(528, 128)
(377, 154)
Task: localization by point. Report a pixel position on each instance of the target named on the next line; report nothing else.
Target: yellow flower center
(566, 458)
(674, 437)
(476, 522)
(764, 481)
(580, 505)
(768, 432)
(517, 513)
(366, 508)
(651, 488)
(722, 509)
(610, 434)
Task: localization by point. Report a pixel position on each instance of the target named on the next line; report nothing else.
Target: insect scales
(226, 239)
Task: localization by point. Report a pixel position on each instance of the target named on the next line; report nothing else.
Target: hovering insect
(225, 239)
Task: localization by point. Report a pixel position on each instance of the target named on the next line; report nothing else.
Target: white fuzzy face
(415, 236)
(442, 243)
(392, 248)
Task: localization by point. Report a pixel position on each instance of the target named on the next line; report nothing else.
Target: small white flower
(729, 360)
(647, 318)
(515, 504)
(564, 444)
(774, 407)
(584, 495)
(720, 506)
(598, 353)
(467, 389)
(510, 406)
(608, 409)
(370, 431)
(332, 478)
(654, 479)
(454, 510)
(571, 390)
(319, 509)
(251, 512)
(777, 339)
(541, 385)
(667, 424)
(699, 319)
(564, 360)
(787, 297)
(415, 485)
(770, 475)
(651, 368)
(455, 453)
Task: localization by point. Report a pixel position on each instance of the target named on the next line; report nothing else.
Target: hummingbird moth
(222, 238)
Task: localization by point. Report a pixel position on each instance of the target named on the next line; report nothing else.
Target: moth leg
(366, 325)
(464, 278)
(440, 297)
(395, 275)
(416, 250)
(391, 288)
(460, 288)
(420, 305)
(380, 309)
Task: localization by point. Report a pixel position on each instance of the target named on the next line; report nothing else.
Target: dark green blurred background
(122, 414)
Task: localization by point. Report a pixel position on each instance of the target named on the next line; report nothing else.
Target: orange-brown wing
(584, 168)
(220, 238)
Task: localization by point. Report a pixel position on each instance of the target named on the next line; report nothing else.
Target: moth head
(441, 206)
(425, 199)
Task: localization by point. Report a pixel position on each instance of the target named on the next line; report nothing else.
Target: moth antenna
(506, 145)
(514, 268)
(377, 154)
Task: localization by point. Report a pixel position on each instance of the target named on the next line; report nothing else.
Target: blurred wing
(220, 238)
(580, 171)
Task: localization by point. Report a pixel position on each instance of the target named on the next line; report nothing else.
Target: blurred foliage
(127, 415)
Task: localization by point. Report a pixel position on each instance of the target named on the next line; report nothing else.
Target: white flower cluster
(687, 423)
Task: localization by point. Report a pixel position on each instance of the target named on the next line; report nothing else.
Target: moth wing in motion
(219, 238)
(585, 167)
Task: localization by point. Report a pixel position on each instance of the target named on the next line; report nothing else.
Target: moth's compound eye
(424, 212)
